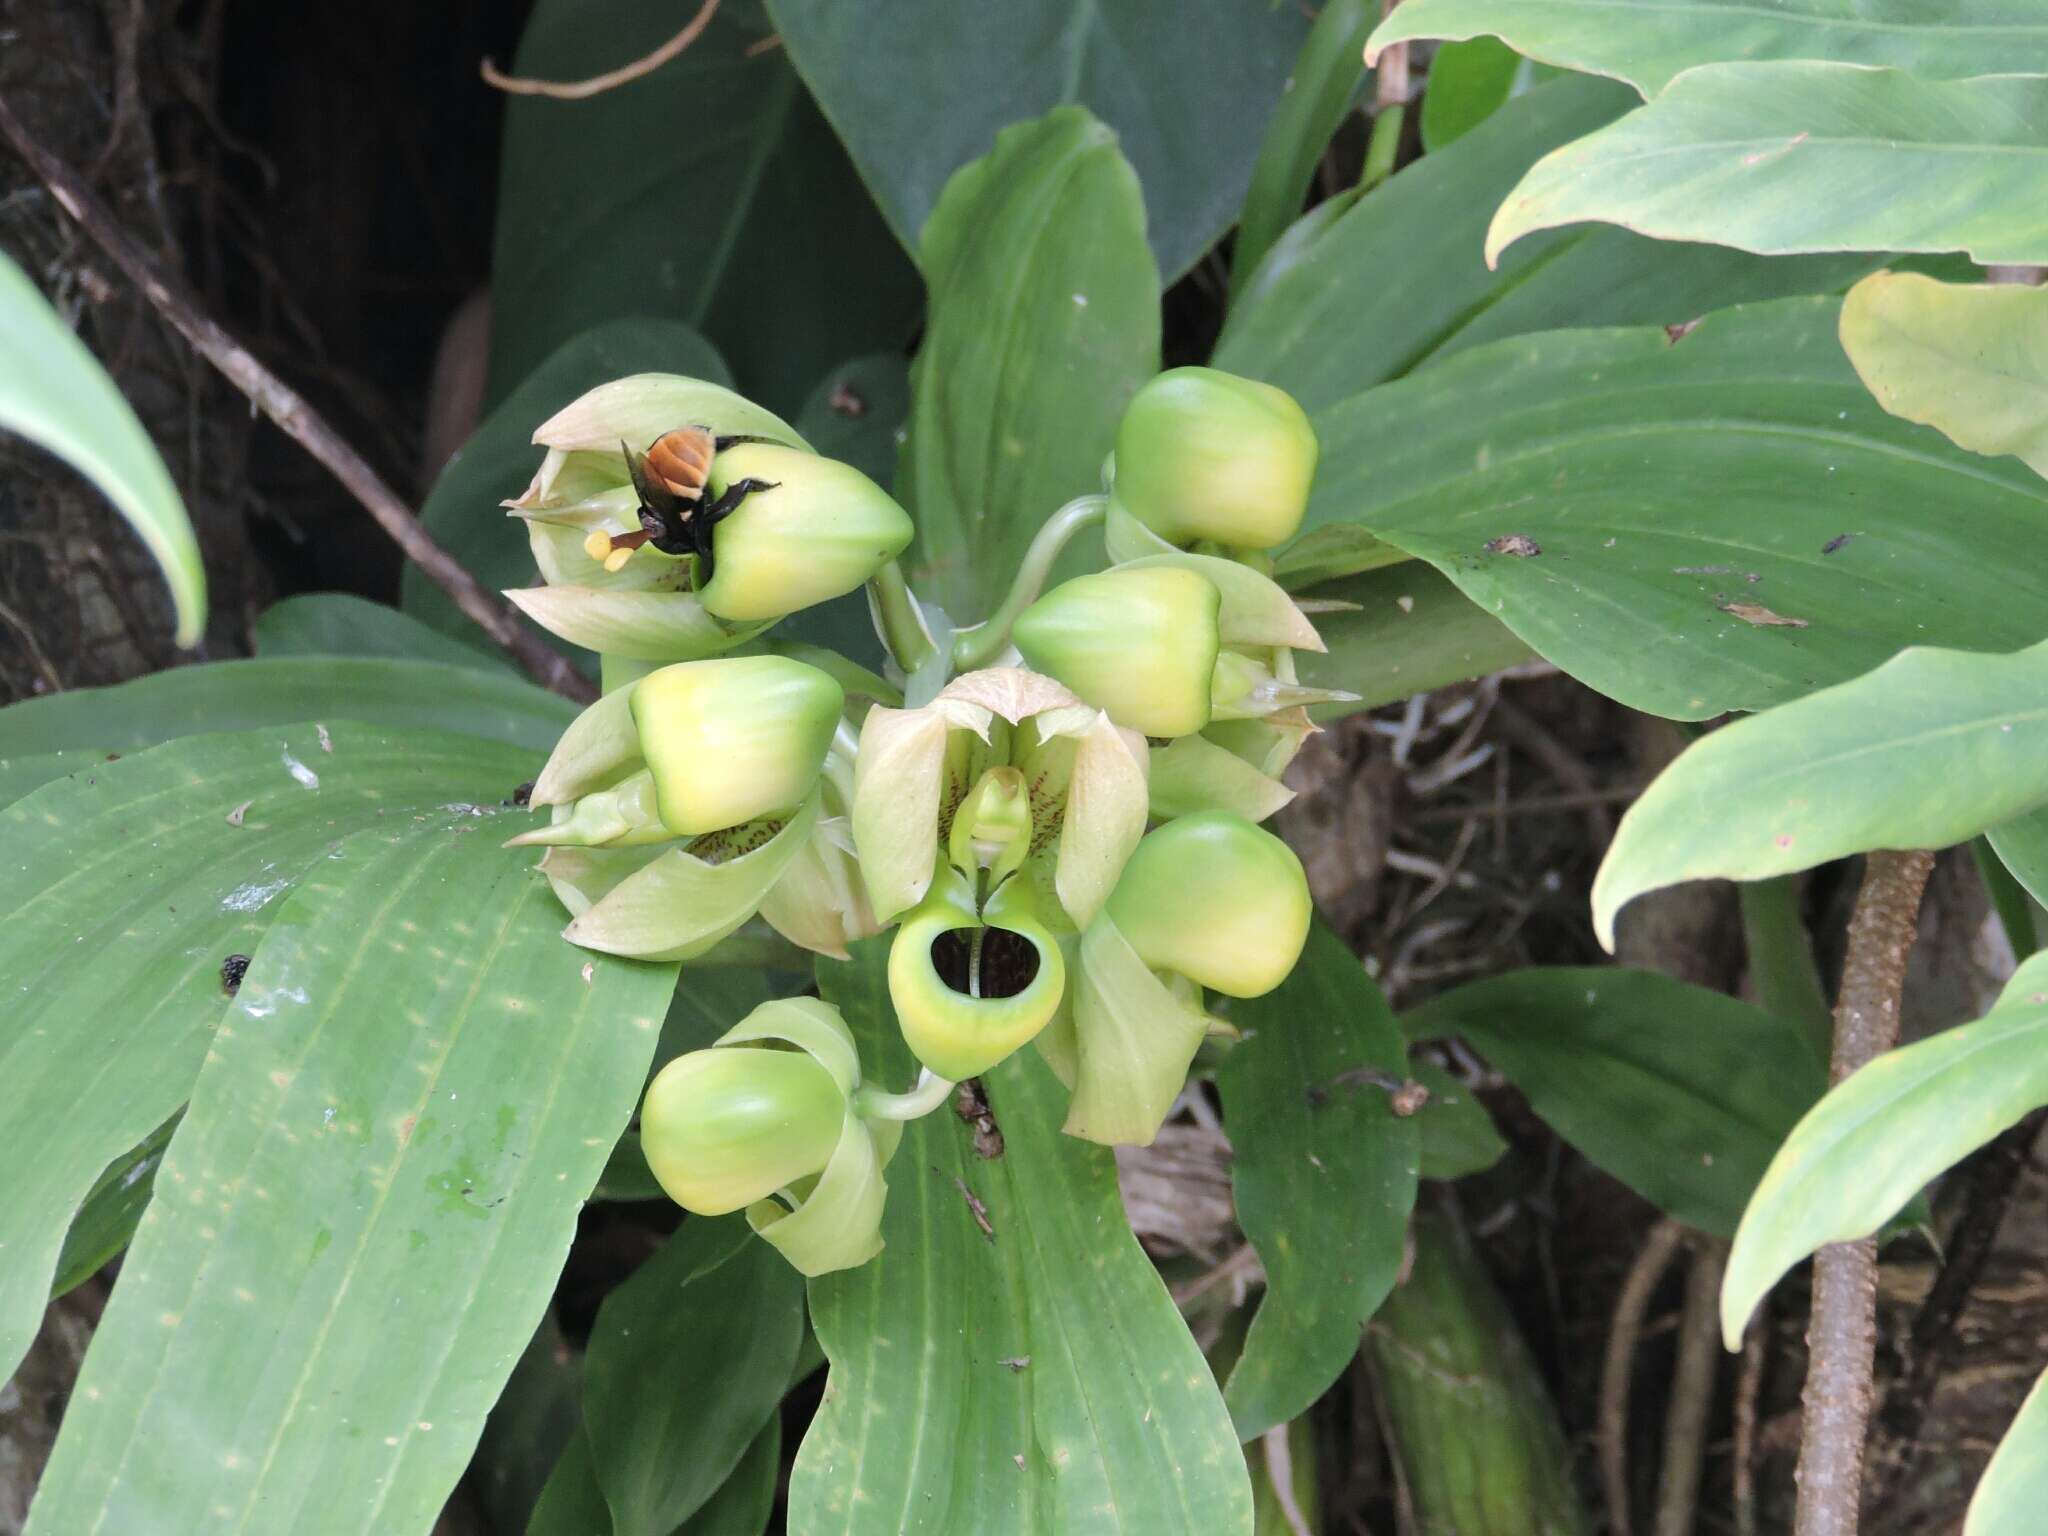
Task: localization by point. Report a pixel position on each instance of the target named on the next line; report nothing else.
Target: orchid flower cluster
(1056, 810)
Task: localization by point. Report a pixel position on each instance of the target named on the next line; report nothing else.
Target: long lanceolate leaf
(365, 1207)
(2014, 1487)
(126, 888)
(1011, 1362)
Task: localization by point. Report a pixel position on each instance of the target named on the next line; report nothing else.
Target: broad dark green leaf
(1037, 338)
(1468, 82)
(126, 888)
(1789, 157)
(366, 1205)
(1680, 1093)
(1323, 1175)
(1885, 1132)
(248, 695)
(858, 412)
(1398, 278)
(2014, 1487)
(919, 88)
(571, 1503)
(1647, 44)
(32, 770)
(1719, 522)
(710, 192)
(338, 624)
(687, 1362)
(529, 1427)
(1457, 1133)
(1412, 630)
(109, 1216)
(1930, 749)
(1034, 1378)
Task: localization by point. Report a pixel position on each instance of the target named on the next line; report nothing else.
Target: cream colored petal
(839, 1224)
(638, 409)
(1193, 774)
(642, 626)
(1014, 693)
(898, 778)
(565, 480)
(1107, 800)
(1134, 1041)
(809, 1023)
(600, 747)
(821, 902)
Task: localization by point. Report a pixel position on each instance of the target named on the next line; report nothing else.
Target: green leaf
(1037, 338)
(1323, 1176)
(247, 695)
(128, 889)
(1930, 749)
(1395, 279)
(710, 193)
(1048, 1343)
(1970, 360)
(1321, 89)
(1787, 157)
(529, 1427)
(1412, 630)
(857, 413)
(571, 1503)
(1719, 522)
(2015, 1485)
(1468, 82)
(108, 1217)
(687, 1362)
(372, 1191)
(1647, 44)
(2022, 846)
(32, 770)
(55, 394)
(1680, 1093)
(338, 624)
(1879, 1136)
(1458, 1134)
(744, 1502)
(917, 90)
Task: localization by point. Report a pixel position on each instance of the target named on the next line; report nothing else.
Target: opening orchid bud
(1140, 644)
(734, 739)
(970, 988)
(725, 1127)
(808, 529)
(1206, 455)
(1217, 900)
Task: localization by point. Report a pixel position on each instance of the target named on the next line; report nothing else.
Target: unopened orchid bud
(801, 529)
(1206, 456)
(1217, 900)
(969, 988)
(1139, 644)
(734, 739)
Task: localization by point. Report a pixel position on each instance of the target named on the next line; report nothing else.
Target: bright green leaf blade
(2022, 846)
(687, 1362)
(55, 393)
(1970, 360)
(1323, 1176)
(919, 88)
(1411, 631)
(373, 1189)
(1036, 341)
(1397, 279)
(1878, 1137)
(1321, 89)
(1051, 1340)
(339, 624)
(1647, 44)
(110, 1214)
(2014, 1488)
(247, 695)
(128, 888)
(1458, 1134)
(1716, 523)
(1680, 1093)
(1781, 158)
(710, 193)
(32, 770)
(1468, 82)
(1930, 749)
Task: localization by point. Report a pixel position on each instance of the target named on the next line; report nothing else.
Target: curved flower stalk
(773, 1118)
(1207, 901)
(998, 817)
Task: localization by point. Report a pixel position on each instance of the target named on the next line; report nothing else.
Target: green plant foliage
(1321, 89)
(2015, 1486)
(32, 770)
(2022, 846)
(1410, 630)
(1970, 360)
(1680, 1093)
(858, 413)
(1394, 280)
(529, 1426)
(1468, 82)
(918, 89)
(339, 624)
(1788, 157)
(1930, 749)
(1719, 522)
(1035, 342)
(131, 887)
(1878, 1137)
(1048, 1337)
(1647, 44)
(687, 1362)
(1458, 1136)
(109, 1216)
(55, 393)
(373, 1188)
(710, 192)
(1323, 1175)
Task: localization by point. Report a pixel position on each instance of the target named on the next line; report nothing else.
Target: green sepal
(1194, 774)
(837, 1222)
(640, 626)
(1135, 1035)
(624, 816)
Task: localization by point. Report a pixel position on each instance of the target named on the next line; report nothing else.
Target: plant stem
(897, 620)
(1781, 964)
(1841, 1332)
(1692, 1393)
(2008, 898)
(928, 1094)
(979, 646)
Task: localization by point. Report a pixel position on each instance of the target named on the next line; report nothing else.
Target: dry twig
(1659, 1248)
(597, 85)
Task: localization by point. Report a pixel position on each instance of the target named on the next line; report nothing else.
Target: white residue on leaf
(255, 895)
(307, 778)
(266, 1005)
